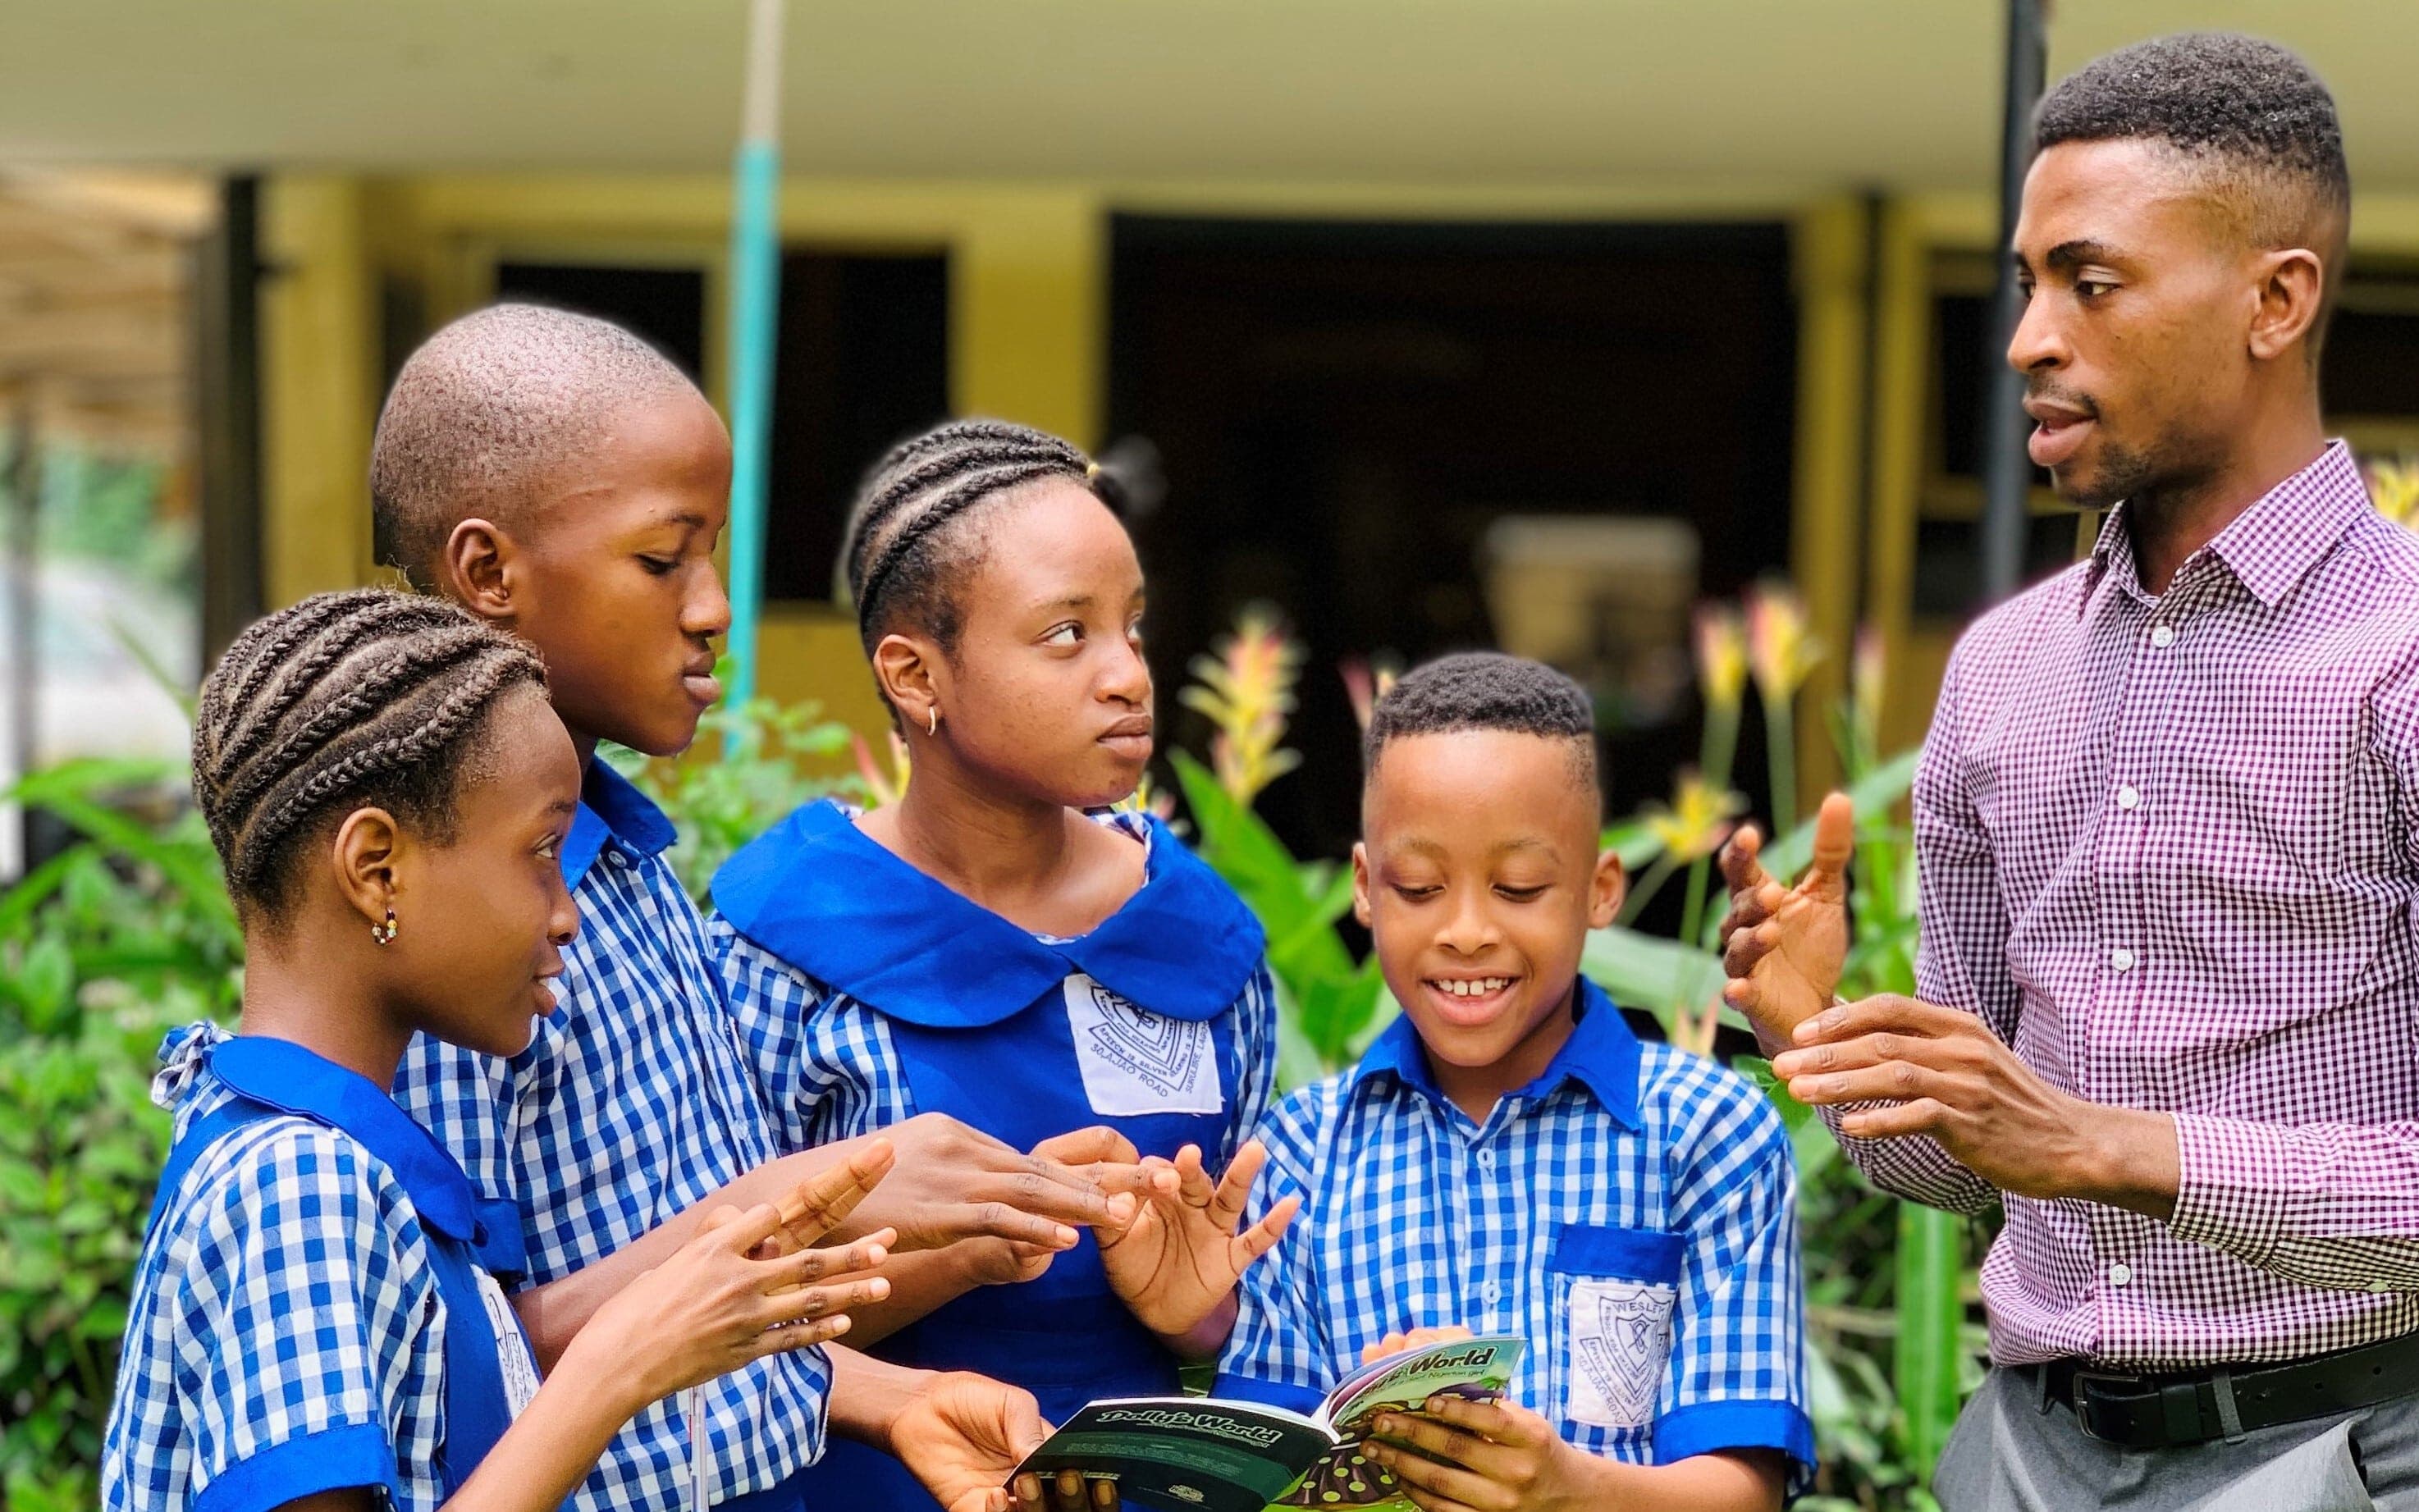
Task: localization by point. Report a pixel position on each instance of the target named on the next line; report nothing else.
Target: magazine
(1187, 1453)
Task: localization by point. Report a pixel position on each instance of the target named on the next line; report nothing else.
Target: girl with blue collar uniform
(311, 1325)
(995, 947)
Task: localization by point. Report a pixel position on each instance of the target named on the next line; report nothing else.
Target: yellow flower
(2394, 487)
(1698, 820)
(1779, 650)
(1722, 656)
(1247, 692)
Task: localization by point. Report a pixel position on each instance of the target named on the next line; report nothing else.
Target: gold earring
(932, 720)
(384, 934)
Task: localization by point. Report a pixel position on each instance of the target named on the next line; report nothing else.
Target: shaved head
(486, 410)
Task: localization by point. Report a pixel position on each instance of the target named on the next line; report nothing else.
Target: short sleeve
(1737, 1379)
(296, 1331)
(824, 1063)
(1279, 1351)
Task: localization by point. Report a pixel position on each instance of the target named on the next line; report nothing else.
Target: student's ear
(368, 855)
(1606, 890)
(906, 670)
(2291, 283)
(481, 570)
(1360, 883)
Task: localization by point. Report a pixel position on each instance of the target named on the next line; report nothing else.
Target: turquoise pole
(755, 297)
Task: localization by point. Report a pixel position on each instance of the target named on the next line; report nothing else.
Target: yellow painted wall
(1028, 302)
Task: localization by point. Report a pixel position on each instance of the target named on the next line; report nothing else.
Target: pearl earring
(384, 934)
(933, 719)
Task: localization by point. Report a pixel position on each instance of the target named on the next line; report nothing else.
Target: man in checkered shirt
(2167, 819)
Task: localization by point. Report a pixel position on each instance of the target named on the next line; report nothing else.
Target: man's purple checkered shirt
(2169, 850)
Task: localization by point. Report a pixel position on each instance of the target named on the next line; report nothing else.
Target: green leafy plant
(103, 948)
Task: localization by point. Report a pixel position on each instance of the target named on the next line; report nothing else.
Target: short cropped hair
(2251, 116)
(1486, 690)
(486, 410)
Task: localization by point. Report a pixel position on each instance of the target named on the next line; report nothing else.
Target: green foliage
(101, 949)
(771, 760)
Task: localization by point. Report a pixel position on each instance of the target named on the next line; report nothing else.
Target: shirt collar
(1602, 1055)
(284, 1076)
(611, 807)
(2269, 546)
(818, 892)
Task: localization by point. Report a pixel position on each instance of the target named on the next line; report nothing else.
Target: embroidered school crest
(1621, 1340)
(1136, 1061)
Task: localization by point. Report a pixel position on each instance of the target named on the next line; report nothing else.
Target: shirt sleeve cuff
(2232, 1180)
(1712, 1427)
(1300, 1399)
(333, 1459)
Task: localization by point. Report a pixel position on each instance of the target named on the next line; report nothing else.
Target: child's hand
(963, 1436)
(723, 1299)
(1504, 1459)
(1178, 1263)
(1785, 947)
(826, 1200)
(1067, 1491)
(956, 1183)
(1418, 1338)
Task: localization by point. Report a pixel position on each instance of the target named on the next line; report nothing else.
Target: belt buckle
(2097, 1390)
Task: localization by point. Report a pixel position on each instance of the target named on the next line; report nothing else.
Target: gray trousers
(2008, 1455)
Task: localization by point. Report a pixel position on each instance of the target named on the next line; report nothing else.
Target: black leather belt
(2165, 1412)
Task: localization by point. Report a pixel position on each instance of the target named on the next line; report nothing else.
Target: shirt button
(1487, 1160)
(2120, 960)
(2119, 1273)
(2129, 797)
(617, 858)
(2379, 1285)
(1492, 1292)
(2163, 636)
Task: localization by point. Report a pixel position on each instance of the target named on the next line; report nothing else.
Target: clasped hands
(1901, 1068)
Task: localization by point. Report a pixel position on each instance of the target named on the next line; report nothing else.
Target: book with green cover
(1195, 1454)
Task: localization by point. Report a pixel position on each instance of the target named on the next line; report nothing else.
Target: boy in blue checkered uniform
(311, 1326)
(1509, 1158)
(558, 478)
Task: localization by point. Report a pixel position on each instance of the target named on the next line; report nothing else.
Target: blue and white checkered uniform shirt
(633, 1103)
(829, 1070)
(1631, 1212)
(287, 1333)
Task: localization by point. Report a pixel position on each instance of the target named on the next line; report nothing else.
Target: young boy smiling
(1509, 1158)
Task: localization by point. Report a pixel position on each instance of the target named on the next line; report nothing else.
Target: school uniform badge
(1136, 1061)
(1620, 1341)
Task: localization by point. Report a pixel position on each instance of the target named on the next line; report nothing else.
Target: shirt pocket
(1614, 1291)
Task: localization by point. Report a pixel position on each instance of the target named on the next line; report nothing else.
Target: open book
(1188, 1453)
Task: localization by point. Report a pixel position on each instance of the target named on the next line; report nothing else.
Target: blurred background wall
(1451, 323)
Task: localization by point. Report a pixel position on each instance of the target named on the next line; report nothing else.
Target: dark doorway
(1343, 411)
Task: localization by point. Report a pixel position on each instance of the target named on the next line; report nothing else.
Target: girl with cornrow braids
(388, 789)
(1000, 946)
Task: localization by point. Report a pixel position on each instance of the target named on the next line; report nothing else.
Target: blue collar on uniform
(1601, 1053)
(284, 1076)
(817, 892)
(611, 807)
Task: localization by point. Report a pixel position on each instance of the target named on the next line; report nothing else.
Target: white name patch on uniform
(511, 1345)
(1136, 1061)
(1621, 1344)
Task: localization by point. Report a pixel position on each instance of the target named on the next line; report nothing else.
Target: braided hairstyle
(910, 540)
(1486, 690)
(344, 700)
